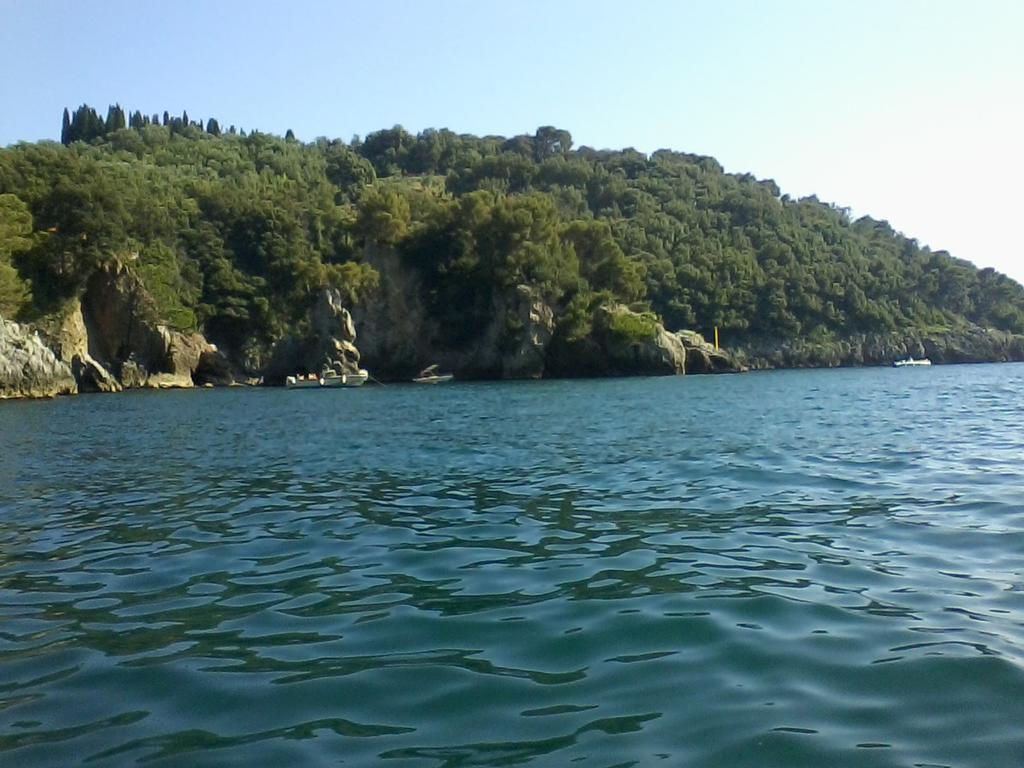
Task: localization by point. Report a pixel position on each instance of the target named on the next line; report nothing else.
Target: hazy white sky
(907, 110)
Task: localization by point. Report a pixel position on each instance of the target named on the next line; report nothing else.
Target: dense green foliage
(15, 236)
(234, 233)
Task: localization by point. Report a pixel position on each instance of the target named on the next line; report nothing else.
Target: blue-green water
(782, 569)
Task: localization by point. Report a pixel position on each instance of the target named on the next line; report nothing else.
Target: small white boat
(328, 379)
(429, 375)
(302, 382)
(334, 379)
(911, 361)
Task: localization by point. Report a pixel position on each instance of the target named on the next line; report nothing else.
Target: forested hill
(234, 233)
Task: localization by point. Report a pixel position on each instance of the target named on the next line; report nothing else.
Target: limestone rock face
(121, 322)
(622, 342)
(335, 332)
(396, 337)
(70, 342)
(115, 335)
(181, 353)
(510, 344)
(634, 344)
(702, 357)
(91, 376)
(972, 345)
(330, 317)
(331, 346)
(961, 345)
(213, 369)
(524, 358)
(28, 368)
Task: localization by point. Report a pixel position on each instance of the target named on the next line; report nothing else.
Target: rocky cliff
(330, 345)
(28, 368)
(702, 357)
(110, 338)
(125, 341)
(963, 345)
(622, 342)
(398, 336)
(107, 339)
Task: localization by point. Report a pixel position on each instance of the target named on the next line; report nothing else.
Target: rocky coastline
(954, 346)
(110, 338)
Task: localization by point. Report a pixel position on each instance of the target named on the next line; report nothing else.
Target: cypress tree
(212, 127)
(65, 128)
(80, 124)
(96, 125)
(115, 119)
(86, 125)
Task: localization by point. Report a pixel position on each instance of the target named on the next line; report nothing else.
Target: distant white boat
(429, 375)
(909, 361)
(302, 382)
(328, 379)
(333, 379)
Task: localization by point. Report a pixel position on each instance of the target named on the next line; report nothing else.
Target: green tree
(383, 216)
(15, 238)
(65, 128)
(115, 119)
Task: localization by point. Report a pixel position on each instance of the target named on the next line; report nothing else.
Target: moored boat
(329, 378)
(335, 379)
(301, 381)
(430, 375)
(909, 361)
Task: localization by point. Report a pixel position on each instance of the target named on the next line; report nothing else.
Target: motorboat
(335, 379)
(430, 375)
(301, 381)
(909, 361)
(329, 378)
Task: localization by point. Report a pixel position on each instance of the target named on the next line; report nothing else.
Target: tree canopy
(235, 233)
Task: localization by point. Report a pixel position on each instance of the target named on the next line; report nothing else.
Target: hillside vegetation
(235, 233)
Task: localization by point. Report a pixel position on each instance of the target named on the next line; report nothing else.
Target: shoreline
(483, 380)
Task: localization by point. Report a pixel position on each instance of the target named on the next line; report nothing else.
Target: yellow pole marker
(716, 337)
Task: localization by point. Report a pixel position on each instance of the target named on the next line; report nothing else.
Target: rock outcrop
(335, 332)
(28, 368)
(635, 343)
(396, 336)
(330, 345)
(93, 377)
(510, 344)
(515, 338)
(124, 342)
(622, 342)
(533, 325)
(962, 345)
(213, 369)
(702, 357)
(70, 341)
(111, 339)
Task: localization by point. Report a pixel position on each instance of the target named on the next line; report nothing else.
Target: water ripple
(814, 568)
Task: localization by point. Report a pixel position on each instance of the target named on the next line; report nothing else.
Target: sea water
(821, 568)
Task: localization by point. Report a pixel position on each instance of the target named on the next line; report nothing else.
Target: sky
(904, 110)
